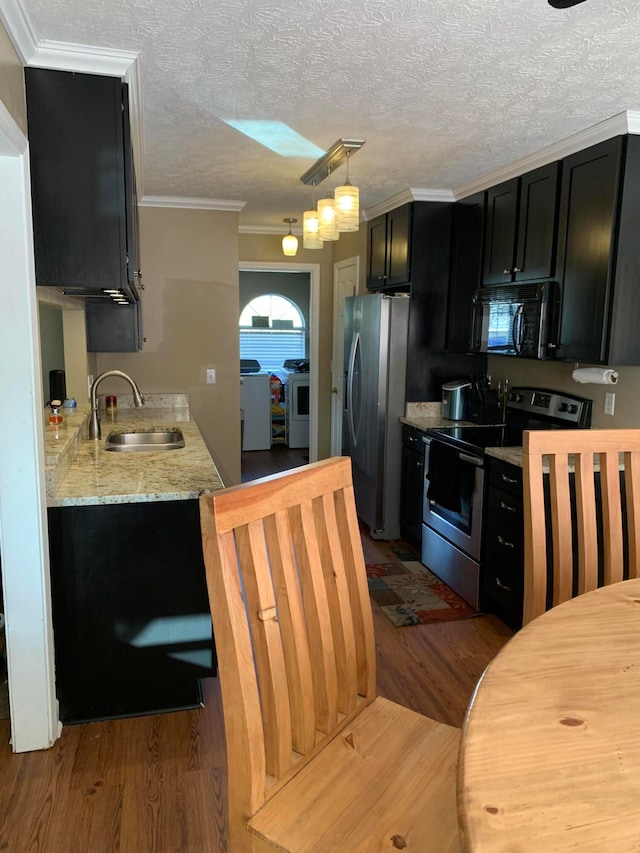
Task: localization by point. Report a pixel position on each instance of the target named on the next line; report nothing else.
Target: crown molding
(19, 26)
(85, 59)
(229, 205)
(408, 195)
(617, 125)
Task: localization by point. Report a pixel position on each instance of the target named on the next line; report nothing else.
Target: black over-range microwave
(516, 319)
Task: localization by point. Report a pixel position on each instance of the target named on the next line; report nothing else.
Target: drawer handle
(506, 543)
(503, 585)
(506, 479)
(503, 505)
(419, 464)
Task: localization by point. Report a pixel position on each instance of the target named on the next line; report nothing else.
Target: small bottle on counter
(55, 418)
(111, 403)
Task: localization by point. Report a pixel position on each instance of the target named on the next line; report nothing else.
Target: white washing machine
(298, 409)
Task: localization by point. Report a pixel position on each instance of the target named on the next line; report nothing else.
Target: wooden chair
(579, 535)
(315, 761)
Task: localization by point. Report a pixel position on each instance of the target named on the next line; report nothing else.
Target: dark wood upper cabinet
(389, 249)
(537, 224)
(599, 254)
(82, 182)
(466, 267)
(520, 237)
(500, 236)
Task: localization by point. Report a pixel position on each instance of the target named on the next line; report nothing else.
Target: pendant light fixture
(327, 217)
(311, 226)
(347, 205)
(290, 241)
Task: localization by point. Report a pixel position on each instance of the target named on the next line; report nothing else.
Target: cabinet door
(113, 328)
(585, 242)
(77, 178)
(377, 253)
(466, 269)
(500, 236)
(536, 253)
(399, 246)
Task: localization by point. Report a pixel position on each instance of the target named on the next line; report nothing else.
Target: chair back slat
(632, 493)
(292, 621)
(612, 516)
(562, 538)
(293, 628)
(316, 606)
(586, 524)
(331, 558)
(592, 455)
(349, 538)
(267, 645)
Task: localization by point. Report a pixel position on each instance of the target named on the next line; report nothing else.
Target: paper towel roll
(595, 375)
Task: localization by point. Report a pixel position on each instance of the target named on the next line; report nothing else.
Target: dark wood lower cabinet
(131, 616)
(412, 483)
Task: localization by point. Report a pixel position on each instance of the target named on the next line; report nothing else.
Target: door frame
(23, 520)
(337, 356)
(314, 322)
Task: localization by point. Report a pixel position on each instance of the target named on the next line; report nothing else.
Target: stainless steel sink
(160, 439)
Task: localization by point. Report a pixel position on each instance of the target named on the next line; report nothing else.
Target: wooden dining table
(550, 752)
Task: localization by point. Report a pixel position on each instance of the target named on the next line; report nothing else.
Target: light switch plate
(609, 403)
(211, 376)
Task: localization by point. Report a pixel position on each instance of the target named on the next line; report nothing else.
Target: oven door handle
(478, 461)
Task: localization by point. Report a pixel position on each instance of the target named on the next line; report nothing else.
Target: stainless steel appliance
(455, 399)
(454, 480)
(516, 320)
(298, 409)
(376, 331)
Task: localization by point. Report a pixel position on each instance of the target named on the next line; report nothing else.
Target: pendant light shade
(327, 215)
(310, 230)
(347, 201)
(289, 241)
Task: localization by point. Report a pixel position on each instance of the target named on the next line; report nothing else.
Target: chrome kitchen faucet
(94, 423)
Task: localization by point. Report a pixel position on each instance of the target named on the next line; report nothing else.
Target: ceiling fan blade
(564, 4)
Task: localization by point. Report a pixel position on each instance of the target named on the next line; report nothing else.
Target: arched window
(272, 330)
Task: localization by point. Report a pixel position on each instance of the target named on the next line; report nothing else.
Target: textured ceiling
(443, 91)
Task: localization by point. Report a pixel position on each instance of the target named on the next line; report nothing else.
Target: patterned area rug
(409, 594)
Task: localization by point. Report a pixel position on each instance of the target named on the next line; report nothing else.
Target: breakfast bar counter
(550, 753)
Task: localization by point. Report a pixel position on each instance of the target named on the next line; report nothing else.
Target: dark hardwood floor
(261, 463)
(157, 783)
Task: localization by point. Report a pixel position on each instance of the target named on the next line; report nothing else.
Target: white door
(345, 283)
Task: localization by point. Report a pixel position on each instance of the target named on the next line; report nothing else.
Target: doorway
(23, 521)
(272, 278)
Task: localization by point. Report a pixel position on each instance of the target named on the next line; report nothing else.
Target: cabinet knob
(506, 272)
(419, 464)
(552, 346)
(517, 269)
(382, 277)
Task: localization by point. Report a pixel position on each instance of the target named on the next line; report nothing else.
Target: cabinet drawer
(412, 438)
(504, 539)
(505, 504)
(505, 476)
(503, 585)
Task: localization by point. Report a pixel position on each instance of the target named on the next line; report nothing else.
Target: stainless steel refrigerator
(376, 332)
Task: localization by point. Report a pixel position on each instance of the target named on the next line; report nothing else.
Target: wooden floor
(157, 783)
(260, 463)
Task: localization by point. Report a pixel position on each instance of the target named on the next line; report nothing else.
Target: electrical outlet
(609, 403)
(211, 376)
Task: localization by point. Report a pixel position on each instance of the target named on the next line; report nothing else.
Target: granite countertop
(512, 455)
(81, 472)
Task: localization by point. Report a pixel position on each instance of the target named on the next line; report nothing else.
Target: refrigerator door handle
(355, 341)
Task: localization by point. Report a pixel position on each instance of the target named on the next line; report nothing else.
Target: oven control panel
(551, 405)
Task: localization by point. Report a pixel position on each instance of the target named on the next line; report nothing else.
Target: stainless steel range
(454, 480)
